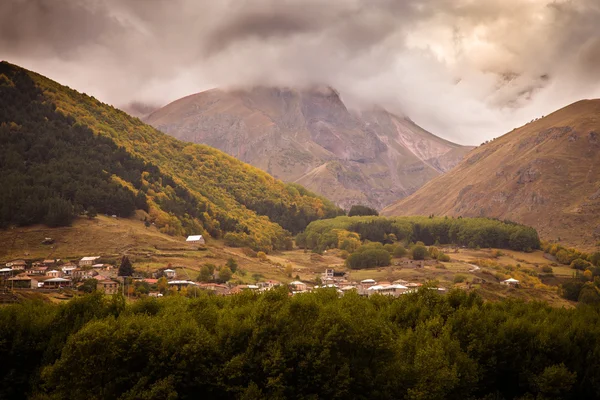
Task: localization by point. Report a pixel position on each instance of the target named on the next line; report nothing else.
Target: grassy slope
(541, 175)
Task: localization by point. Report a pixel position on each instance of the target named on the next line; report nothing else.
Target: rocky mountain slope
(310, 137)
(64, 153)
(545, 174)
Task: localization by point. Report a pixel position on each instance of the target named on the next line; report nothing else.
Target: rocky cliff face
(545, 174)
(310, 137)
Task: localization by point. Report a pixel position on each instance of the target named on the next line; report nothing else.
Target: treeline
(249, 346)
(470, 232)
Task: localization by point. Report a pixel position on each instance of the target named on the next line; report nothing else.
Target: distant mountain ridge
(545, 174)
(309, 136)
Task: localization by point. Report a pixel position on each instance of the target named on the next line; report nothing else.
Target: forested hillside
(64, 154)
(310, 346)
(345, 232)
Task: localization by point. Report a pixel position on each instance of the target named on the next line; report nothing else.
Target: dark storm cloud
(54, 28)
(466, 69)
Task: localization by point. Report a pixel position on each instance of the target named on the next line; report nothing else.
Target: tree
(419, 252)
(580, 264)
(125, 269)
(289, 270)
(589, 295)
(60, 213)
(595, 258)
(225, 274)
(571, 290)
(91, 212)
(555, 382)
(232, 264)
(359, 210)
(88, 286)
(205, 274)
(399, 251)
(162, 285)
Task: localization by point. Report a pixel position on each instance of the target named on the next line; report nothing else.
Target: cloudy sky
(468, 70)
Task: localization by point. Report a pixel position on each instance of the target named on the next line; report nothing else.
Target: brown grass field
(149, 250)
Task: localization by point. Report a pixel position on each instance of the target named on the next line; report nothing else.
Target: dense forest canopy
(472, 232)
(249, 346)
(65, 153)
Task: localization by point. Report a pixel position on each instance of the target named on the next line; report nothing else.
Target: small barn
(195, 239)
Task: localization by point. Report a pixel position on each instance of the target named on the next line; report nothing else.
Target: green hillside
(65, 154)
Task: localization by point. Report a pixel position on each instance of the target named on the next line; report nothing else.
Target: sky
(467, 70)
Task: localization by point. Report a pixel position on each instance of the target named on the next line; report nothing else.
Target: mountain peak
(308, 135)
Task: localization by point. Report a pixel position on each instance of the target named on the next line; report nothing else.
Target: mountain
(66, 154)
(545, 174)
(308, 136)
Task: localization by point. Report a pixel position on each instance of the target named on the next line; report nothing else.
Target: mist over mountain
(467, 70)
(309, 136)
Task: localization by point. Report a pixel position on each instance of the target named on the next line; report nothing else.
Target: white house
(389, 290)
(54, 274)
(510, 282)
(195, 239)
(68, 270)
(88, 261)
(368, 282)
(169, 273)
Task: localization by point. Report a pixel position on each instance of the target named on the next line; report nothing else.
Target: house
(181, 283)
(108, 286)
(54, 274)
(88, 261)
(55, 283)
(102, 267)
(68, 270)
(50, 263)
(83, 274)
(367, 283)
(169, 273)
(23, 281)
(267, 285)
(37, 270)
(332, 275)
(510, 282)
(298, 286)
(216, 288)
(4, 272)
(388, 290)
(195, 239)
(17, 265)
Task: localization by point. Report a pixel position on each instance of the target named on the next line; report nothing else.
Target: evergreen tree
(126, 269)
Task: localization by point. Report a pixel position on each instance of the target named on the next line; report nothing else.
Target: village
(56, 275)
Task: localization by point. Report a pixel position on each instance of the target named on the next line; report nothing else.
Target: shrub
(443, 257)
(547, 269)
(262, 256)
(580, 264)
(459, 278)
(399, 251)
(249, 252)
(419, 252)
